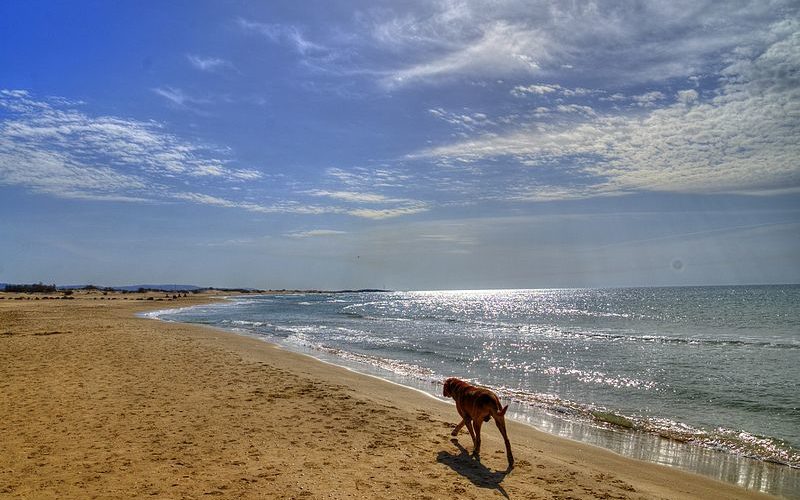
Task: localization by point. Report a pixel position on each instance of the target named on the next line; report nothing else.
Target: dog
(477, 405)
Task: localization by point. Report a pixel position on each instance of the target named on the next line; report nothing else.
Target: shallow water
(713, 369)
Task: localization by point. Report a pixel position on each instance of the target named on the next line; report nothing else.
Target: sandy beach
(96, 402)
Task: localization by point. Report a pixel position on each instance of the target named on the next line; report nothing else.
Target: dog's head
(448, 387)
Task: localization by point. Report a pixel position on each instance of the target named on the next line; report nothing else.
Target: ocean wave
(733, 441)
(395, 366)
(356, 315)
(163, 313)
(661, 339)
(244, 323)
(598, 377)
(554, 331)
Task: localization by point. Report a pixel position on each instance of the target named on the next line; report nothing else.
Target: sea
(706, 379)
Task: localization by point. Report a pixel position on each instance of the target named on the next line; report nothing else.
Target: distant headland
(52, 288)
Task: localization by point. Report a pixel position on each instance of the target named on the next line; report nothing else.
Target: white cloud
(402, 206)
(537, 89)
(575, 108)
(15, 93)
(387, 213)
(212, 170)
(649, 99)
(542, 89)
(178, 97)
(615, 97)
(55, 173)
(604, 42)
(245, 174)
(315, 233)
(687, 96)
(361, 178)
(49, 146)
(352, 196)
(578, 91)
(281, 33)
(467, 121)
(288, 207)
(206, 199)
(208, 63)
(300, 208)
(500, 48)
(744, 140)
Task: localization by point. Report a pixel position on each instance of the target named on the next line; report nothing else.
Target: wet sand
(98, 403)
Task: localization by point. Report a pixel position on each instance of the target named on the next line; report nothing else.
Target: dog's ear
(446, 390)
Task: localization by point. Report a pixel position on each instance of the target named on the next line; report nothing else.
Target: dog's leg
(501, 424)
(463, 419)
(458, 428)
(469, 424)
(477, 438)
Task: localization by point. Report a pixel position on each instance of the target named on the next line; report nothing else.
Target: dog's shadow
(471, 468)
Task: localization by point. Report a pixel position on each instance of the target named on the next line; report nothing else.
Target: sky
(404, 145)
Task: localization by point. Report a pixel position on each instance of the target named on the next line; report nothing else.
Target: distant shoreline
(246, 290)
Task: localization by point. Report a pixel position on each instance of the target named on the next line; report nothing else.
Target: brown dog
(477, 405)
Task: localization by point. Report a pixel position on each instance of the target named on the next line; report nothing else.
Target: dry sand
(97, 403)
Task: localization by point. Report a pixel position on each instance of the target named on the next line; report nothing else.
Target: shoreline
(721, 465)
(102, 401)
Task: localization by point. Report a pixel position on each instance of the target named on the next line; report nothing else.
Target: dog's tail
(498, 412)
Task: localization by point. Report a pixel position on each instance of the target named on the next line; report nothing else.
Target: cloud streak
(315, 233)
(506, 48)
(741, 140)
(288, 35)
(209, 64)
(436, 42)
(50, 146)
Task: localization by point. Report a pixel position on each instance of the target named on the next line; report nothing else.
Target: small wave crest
(243, 323)
(397, 367)
(732, 441)
(163, 314)
(551, 331)
(598, 377)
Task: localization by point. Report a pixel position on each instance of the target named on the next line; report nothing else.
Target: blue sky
(409, 145)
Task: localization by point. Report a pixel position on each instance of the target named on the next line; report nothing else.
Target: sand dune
(97, 403)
